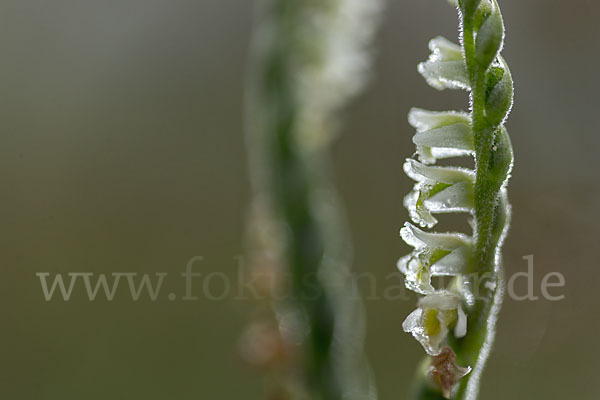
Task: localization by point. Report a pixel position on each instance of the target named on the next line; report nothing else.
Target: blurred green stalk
(309, 58)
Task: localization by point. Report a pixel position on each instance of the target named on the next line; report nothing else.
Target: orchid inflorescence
(455, 323)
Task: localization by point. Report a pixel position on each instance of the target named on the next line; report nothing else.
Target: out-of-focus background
(122, 150)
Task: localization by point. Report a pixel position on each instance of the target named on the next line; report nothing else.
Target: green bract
(489, 38)
(499, 95)
(455, 322)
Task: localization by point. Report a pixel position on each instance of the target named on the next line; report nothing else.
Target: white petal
(424, 120)
(444, 50)
(456, 198)
(419, 215)
(416, 278)
(453, 264)
(445, 74)
(438, 153)
(441, 301)
(419, 239)
(460, 330)
(413, 321)
(420, 172)
(456, 136)
(414, 324)
(426, 155)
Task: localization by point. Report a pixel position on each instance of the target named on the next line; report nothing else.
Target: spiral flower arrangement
(455, 322)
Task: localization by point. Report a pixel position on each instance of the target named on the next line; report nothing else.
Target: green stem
(490, 218)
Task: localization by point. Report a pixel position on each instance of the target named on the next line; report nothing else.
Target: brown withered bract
(445, 372)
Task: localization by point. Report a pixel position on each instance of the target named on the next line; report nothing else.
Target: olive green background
(122, 150)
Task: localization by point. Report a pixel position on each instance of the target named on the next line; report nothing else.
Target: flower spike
(440, 321)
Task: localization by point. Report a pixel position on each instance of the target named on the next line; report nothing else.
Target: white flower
(430, 323)
(435, 254)
(446, 67)
(441, 134)
(438, 190)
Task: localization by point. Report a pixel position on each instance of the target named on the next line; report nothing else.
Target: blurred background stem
(309, 59)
